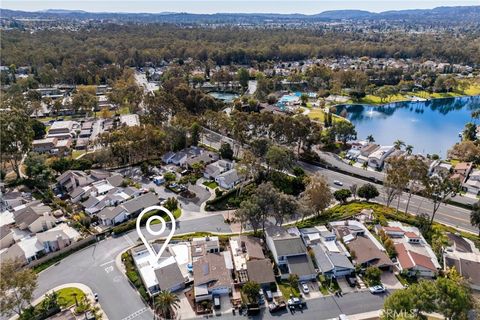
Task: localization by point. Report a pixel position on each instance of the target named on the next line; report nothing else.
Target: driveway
(390, 281)
(344, 286)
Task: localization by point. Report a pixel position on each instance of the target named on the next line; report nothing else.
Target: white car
(305, 288)
(377, 289)
(338, 183)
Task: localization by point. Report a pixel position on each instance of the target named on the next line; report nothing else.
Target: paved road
(95, 267)
(446, 214)
(328, 307)
(335, 161)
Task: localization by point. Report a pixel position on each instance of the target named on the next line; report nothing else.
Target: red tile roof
(411, 235)
(410, 259)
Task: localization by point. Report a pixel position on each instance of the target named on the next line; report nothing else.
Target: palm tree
(476, 115)
(475, 216)
(409, 149)
(166, 303)
(370, 138)
(398, 144)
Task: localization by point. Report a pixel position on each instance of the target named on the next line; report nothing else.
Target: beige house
(35, 218)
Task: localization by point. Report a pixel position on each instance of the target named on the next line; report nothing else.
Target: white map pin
(155, 256)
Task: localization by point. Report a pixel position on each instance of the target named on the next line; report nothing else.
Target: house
(112, 215)
(377, 158)
(261, 272)
(216, 168)
(6, 237)
(332, 264)
(212, 276)
(25, 251)
(248, 251)
(53, 240)
(167, 157)
(464, 256)
(35, 218)
(228, 179)
(330, 255)
(44, 145)
(203, 245)
(414, 255)
(365, 151)
(130, 120)
(134, 206)
(59, 127)
(52, 145)
(163, 275)
(12, 199)
(463, 168)
(440, 168)
(290, 253)
(71, 179)
(206, 157)
(364, 248)
(472, 185)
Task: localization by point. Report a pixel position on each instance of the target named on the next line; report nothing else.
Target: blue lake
(429, 126)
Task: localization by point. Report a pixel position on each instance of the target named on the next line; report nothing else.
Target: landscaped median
(68, 300)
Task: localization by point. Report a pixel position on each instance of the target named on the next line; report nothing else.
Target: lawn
(373, 99)
(210, 184)
(77, 153)
(66, 296)
(473, 89)
(287, 289)
(340, 212)
(319, 114)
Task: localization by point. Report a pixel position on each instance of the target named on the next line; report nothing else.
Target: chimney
(61, 242)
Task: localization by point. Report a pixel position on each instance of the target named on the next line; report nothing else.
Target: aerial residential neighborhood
(212, 159)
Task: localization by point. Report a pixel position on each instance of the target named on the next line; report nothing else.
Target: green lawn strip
(326, 285)
(210, 184)
(67, 296)
(134, 276)
(287, 289)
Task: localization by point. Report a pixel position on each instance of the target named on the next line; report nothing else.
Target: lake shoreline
(403, 101)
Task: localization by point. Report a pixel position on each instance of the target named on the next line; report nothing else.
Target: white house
(228, 179)
(376, 158)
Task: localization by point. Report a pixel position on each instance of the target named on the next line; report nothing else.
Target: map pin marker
(155, 256)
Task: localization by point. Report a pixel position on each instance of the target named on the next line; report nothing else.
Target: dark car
(352, 281)
(275, 307)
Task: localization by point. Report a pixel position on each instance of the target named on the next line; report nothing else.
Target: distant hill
(449, 15)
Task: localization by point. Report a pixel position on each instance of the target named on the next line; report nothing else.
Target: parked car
(261, 299)
(216, 302)
(95, 296)
(269, 295)
(305, 288)
(377, 289)
(275, 307)
(352, 281)
(338, 183)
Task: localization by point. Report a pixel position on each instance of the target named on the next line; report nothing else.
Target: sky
(215, 6)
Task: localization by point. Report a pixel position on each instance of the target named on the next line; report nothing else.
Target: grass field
(210, 184)
(77, 153)
(287, 289)
(66, 296)
(319, 115)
